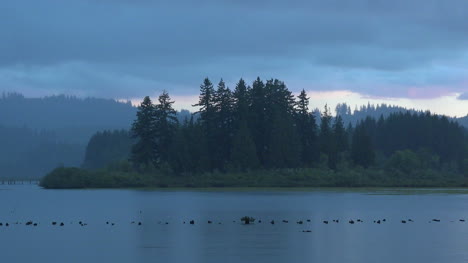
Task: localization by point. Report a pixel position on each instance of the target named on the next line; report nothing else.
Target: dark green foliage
(66, 178)
(282, 147)
(307, 131)
(257, 116)
(362, 151)
(144, 151)
(199, 151)
(263, 136)
(405, 161)
(206, 101)
(328, 144)
(241, 103)
(402, 131)
(339, 134)
(244, 155)
(107, 147)
(304, 177)
(207, 121)
(464, 169)
(224, 104)
(180, 158)
(110, 178)
(165, 125)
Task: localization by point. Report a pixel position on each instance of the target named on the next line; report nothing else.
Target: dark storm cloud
(124, 48)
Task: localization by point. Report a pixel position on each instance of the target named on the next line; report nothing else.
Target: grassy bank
(63, 178)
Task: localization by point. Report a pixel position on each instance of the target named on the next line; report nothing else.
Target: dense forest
(25, 153)
(48, 132)
(262, 135)
(69, 118)
(463, 121)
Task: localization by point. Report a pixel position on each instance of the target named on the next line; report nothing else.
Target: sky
(410, 53)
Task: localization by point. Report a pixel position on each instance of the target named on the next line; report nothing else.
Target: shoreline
(310, 178)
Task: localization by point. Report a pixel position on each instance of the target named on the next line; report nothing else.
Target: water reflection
(420, 241)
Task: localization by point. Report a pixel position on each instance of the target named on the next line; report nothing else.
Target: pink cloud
(428, 92)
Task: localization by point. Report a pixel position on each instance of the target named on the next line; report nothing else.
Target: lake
(163, 236)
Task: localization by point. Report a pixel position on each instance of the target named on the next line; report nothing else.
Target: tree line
(264, 126)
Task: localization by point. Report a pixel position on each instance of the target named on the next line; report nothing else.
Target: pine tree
(244, 155)
(180, 159)
(201, 156)
(257, 117)
(223, 123)
(339, 134)
(283, 143)
(206, 102)
(284, 149)
(165, 124)
(207, 111)
(327, 142)
(307, 129)
(241, 106)
(143, 130)
(362, 152)
(107, 147)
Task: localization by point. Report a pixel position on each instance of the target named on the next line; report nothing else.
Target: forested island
(261, 135)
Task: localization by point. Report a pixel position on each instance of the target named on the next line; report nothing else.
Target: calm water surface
(156, 241)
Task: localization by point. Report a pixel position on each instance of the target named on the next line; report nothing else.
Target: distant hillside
(374, 111)
(70, 119)
(25, 153)
(353, 116)
(463, 121)
(38, 134)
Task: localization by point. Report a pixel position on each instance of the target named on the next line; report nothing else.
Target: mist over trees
(463, 121)
(265, 127)
(27, 154)
(69, 118)
(39, 134)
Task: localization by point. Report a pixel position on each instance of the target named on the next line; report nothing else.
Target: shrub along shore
(67, 178)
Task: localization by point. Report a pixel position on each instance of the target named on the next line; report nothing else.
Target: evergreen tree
(165, 125)
(244, 155)
(339, 134)
(207, 111)
(362, 152)
(241, 106)
(180, 158)
(201, 156)
(223, 121)
(206, 102)
(307, 129)
(266, 127)
(258, 118)
(283, 143)
(107, 147)
(143, 130)
(327, 142)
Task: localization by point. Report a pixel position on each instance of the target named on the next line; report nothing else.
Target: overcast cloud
(124, 49)
(463, 96)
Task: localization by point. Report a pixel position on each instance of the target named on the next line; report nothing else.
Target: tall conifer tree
(207, 111)
(165, 124)
(143, 130)
(307, 129)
